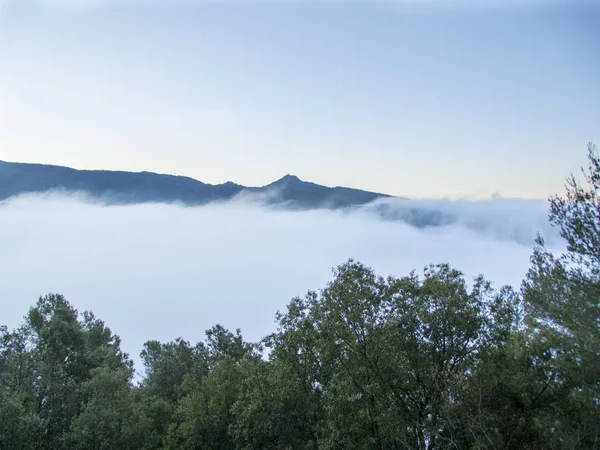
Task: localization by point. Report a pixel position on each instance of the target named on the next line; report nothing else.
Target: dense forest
(426, 361)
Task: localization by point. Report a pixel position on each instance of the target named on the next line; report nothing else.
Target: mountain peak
(287, 179)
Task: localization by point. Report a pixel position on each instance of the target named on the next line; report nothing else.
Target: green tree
(181, 377)
(44, 363)
(204, 416)
(107, 420)
(561, 296)
(20, 427)
(167, 365)
(275, 409)
(388, 356)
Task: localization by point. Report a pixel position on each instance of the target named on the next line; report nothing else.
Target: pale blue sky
(437, 102)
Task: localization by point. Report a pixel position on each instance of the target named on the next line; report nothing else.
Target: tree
(167, 365)
(181, 378)
(204, 416)
(45, 362)
(275, 408)
(20, 427)
(388, 355)
(107, 420)
(563, 309)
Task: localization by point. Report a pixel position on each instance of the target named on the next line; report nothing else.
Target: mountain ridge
(287, 193)
(124, 187)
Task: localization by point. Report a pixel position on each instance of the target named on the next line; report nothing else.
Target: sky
(451, 99)
(166, 271)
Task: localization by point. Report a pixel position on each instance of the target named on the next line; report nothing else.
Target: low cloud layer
(162, 271)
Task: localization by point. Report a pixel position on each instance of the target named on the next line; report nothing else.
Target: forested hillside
(421, 361)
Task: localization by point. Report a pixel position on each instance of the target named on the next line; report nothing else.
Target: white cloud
(163, 271)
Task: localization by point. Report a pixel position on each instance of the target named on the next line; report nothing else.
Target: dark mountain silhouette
(289, 192)
(117, 187)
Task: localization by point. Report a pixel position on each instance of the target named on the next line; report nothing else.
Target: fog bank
(162, 271)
